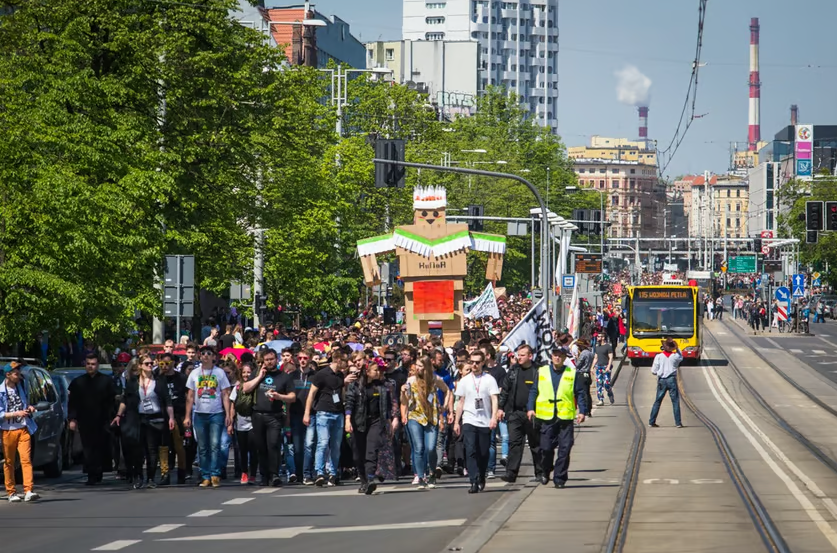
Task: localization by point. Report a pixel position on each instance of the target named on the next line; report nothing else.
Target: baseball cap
(12, 366)
(123, 358)
(558, 349)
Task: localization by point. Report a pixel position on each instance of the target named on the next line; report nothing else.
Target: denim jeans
(224, 452)
(309, 453)
(290, 462)
(329, 439)
(423, 440)
(666, 384)
(502, 431)
(208, 430)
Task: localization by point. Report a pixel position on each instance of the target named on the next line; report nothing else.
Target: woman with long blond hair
(420, 408)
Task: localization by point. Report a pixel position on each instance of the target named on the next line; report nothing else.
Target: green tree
(792, 223)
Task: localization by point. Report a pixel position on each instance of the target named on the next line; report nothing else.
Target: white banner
(535, 329)
(483, 306)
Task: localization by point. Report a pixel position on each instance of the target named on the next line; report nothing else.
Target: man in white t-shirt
(476, 411)
(208, 398)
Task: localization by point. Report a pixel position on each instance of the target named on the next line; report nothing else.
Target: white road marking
(205, 513)
(267, 490)
(238, 501)
(116, 545)
(163, 528)
(286, 533)
(796, 351)
(707, 481)
(818, 351)
(721, 332)
(728, 405)
(827, 363)
(773, 343)
(661, 481)
(829, 342)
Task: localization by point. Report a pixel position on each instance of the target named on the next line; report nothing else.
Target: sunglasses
(147, 363)
(165, 363)
(303, 357)
(207, 353)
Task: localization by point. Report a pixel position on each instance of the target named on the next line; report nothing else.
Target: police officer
(552, 401)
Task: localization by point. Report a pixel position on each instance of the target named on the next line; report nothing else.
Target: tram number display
(588, 263)
(662, 294)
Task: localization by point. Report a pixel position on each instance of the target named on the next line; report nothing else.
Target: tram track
(620, 520)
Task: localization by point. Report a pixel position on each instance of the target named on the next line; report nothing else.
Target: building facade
(334, 41)
(631, 195)
(447, 71)
(720, 210)
(518, 44)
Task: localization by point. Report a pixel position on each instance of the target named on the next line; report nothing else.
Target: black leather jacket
(509, 390)
(355, 404)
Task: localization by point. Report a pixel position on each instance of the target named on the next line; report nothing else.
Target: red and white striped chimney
(643, 122)
(755, 87)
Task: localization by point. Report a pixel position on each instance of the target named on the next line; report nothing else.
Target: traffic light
(830, 215)
(389, 176)
(813, 215)
(811, 237)
(475, 225)
(757, 245)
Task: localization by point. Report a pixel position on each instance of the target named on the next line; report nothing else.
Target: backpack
(244, 402)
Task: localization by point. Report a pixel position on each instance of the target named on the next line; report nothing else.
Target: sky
(600, 37)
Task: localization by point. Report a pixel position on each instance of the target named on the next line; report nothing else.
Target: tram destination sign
(662, 294)
(588, 263)
(742, 264)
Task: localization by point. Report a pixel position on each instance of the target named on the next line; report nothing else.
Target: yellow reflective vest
(552, 403)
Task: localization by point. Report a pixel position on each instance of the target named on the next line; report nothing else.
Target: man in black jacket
(172, 447)
(512, 403)
(92, 396)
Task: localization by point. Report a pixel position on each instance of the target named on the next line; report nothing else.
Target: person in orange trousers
(16, 429)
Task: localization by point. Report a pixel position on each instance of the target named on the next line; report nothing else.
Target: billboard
(804, 152)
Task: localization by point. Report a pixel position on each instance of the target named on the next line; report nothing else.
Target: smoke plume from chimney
(632, 87)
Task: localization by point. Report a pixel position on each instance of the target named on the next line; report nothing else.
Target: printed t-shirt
(207, 386)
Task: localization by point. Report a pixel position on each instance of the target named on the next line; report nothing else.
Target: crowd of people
(334, 406)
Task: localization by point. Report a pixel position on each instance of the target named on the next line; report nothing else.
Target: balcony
(509, 45)
(510, 75)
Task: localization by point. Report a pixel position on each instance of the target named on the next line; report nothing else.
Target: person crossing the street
(552, 402)
(665, 368)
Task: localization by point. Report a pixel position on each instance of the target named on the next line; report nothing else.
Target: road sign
(767, 234)
(783, 294)
(798, 286)
(179, 288)
(568, 281)
(742, 264)
(772, 266)
(816, 275)
(816, 282)
(782, 311)
(765, 250)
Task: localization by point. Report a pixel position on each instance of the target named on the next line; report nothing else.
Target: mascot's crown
(429, 197)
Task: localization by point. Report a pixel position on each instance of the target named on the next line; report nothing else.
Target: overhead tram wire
(691, 98)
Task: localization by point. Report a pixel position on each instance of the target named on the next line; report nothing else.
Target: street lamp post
(601, 214)
(340, 85)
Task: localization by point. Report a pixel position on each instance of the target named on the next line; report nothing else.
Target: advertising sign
(804, 152)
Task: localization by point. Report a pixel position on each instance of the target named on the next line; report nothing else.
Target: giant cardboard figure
(432, 256)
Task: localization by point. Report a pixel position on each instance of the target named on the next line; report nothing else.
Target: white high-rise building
(518, 42)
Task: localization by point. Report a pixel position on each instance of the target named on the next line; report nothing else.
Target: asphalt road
(182, 519)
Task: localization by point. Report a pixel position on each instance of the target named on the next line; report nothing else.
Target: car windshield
(663, 318)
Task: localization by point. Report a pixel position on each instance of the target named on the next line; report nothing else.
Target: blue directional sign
(783, 294)
(798, 286)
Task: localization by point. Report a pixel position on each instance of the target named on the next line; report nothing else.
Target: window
(614, 200)
(371, 54)
(434, 36)
(434, 20)
(728, 191)
(728, 222)
(435, 5)
(614, 184)
(738, 206)
(738, 193)
(601, 183)
(615, 171)
(633, 171)
(602, 170)
(582, 170)
(390, 54)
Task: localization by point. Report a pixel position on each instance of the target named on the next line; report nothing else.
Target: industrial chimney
(794, 114)
(755, 87)
(643, 122)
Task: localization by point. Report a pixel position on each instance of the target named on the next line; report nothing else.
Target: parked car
(48, 441)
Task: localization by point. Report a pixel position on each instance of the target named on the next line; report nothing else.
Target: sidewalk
(585, 506)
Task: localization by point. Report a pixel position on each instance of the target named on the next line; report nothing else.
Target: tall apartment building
(518, 44)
